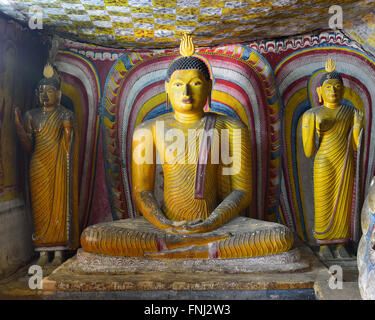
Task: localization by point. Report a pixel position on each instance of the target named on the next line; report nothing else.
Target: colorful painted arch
(81, 87)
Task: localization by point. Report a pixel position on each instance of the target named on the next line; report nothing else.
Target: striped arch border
(134, 92)
(79, 74)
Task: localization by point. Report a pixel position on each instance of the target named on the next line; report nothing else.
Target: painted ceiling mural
(160, 23)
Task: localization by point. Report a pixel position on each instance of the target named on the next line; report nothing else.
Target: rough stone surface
(16, 247)
(154, 24)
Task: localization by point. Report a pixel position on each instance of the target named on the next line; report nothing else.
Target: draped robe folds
(53, 181)
(334, 181)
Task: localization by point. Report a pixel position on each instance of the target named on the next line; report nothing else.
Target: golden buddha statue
(338, 128)
(49, 134)
(204, 193)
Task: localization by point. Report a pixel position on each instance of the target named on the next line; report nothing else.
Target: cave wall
(22, 56)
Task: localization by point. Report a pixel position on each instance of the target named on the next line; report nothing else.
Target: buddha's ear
(59, 95)
(209, 84)
(166, 84)
(342, 91)
(319, 92)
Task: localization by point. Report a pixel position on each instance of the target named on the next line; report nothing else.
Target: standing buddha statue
(338, 127)
(49, 134)
(203, 194)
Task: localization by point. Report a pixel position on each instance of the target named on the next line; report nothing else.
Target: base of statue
(89, 263)
(289, 275)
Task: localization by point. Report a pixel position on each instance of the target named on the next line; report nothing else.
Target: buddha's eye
(178, 84)
(196, 82)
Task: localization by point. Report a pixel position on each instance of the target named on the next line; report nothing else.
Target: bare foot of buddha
(58, 259)
(325, 252)
(43, 258)
(341, 253)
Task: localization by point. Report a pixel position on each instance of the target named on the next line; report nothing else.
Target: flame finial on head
(330, 73)
(50, 77)
(330, 65)
(187, 48)
(48, 71)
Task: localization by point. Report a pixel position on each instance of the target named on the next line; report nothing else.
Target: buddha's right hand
(178, 227)
(18, 117)
(24, 137)
(358, 118)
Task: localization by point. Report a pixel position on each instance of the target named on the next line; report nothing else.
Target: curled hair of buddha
(330, 72)
(51, 77)
(188, 63)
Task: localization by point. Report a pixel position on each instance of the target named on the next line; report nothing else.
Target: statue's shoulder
(66, 114)
(313, 111)
(32, 112)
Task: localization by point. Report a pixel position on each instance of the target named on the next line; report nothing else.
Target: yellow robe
(53, 181)
(334, 174)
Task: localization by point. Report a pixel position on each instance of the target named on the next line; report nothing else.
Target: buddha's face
(49, 96)
(188, 90)
(331, 91)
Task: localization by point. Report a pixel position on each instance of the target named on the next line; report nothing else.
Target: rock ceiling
(160, 23)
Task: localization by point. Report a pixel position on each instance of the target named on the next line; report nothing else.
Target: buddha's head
(49, 88)
(331, 85)
(188, 84)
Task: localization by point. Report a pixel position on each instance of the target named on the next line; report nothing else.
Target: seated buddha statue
(204, 191)
(338, 127)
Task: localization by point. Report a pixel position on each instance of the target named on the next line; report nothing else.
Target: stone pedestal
(290, 275)
(88, 263)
